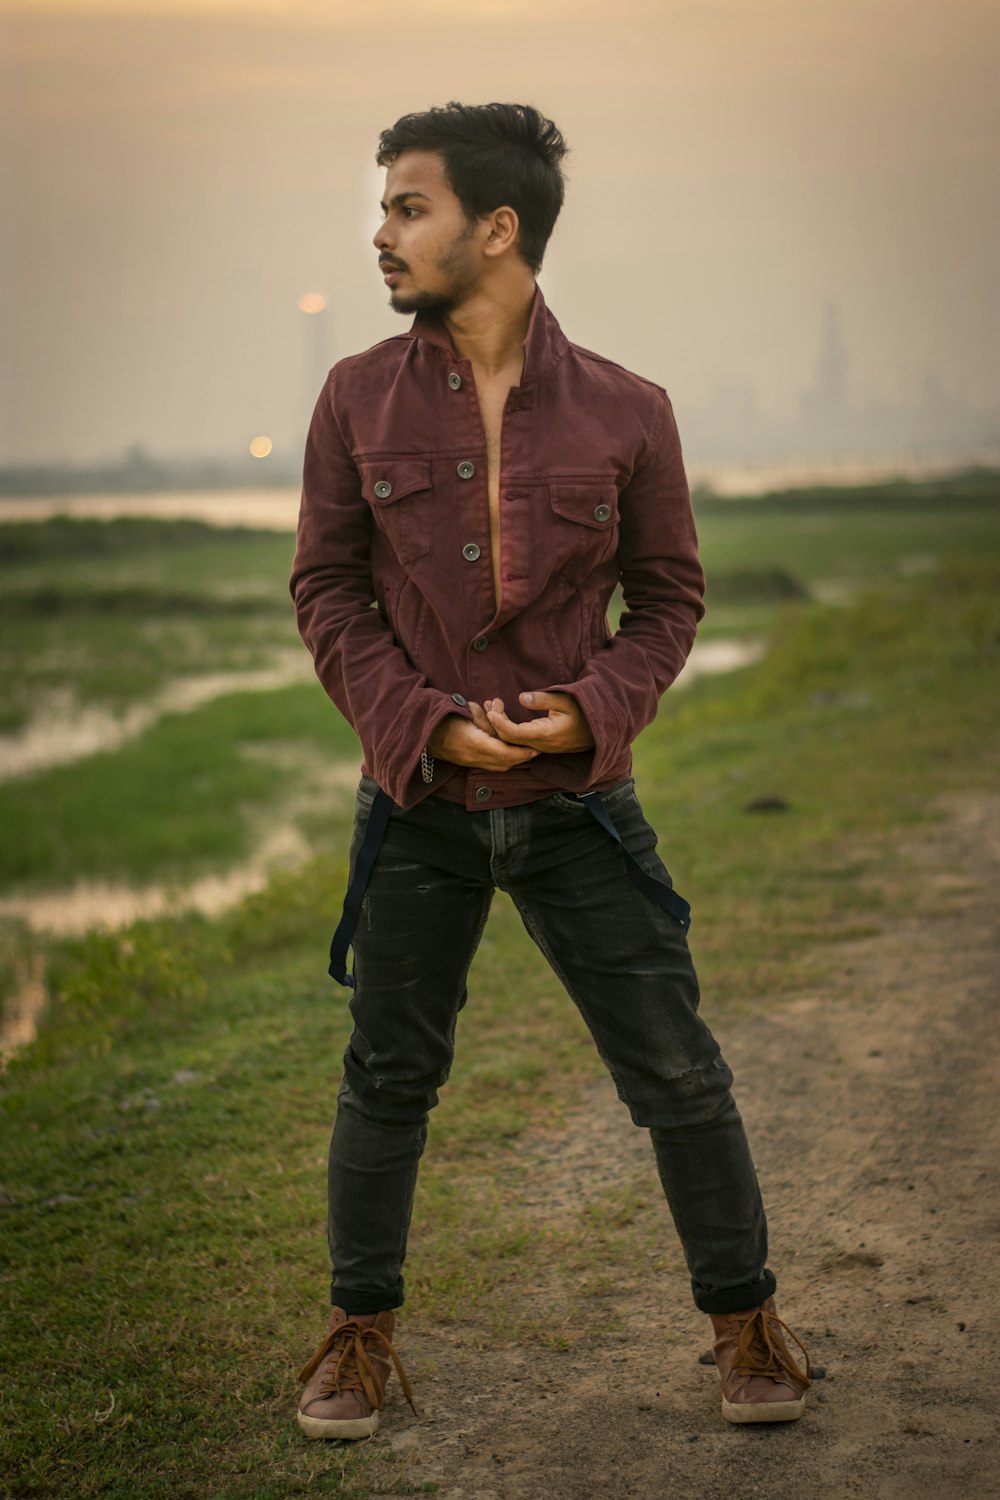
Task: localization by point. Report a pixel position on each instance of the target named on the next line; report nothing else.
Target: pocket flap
(384, 481)
(593, 503)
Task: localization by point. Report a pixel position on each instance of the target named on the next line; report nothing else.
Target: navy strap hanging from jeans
(371, 842)
(663, 896)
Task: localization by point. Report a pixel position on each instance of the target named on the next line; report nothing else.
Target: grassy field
(102, 615)
(164, 1138)
(110, 611)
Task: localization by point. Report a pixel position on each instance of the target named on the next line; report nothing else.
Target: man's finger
(481, 721)
(520, 755)
(496, 749)
(558, 701)
(534, 732)
(501, 756)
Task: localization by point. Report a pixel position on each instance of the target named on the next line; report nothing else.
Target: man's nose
(382, 239)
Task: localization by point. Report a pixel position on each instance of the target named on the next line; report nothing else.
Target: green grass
(188, 795)
(210, 599)
(106, 613)
(111, 611)
(164, 1139)
(860, 536)
(112, 660)
(162, 546)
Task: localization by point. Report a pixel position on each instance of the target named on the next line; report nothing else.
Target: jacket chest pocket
(585, 514)
(399, 493)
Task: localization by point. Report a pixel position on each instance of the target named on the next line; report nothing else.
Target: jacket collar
(544, 344)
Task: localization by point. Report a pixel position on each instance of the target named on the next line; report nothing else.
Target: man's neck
(490, 327)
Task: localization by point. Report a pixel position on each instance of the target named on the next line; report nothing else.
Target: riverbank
(276, 509)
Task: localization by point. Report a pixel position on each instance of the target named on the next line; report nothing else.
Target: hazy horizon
(177, 175)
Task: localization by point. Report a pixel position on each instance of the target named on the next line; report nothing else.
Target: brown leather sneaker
(760, 1380)
(346, 1377)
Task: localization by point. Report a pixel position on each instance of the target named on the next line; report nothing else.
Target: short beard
(423, 302)
(453, 264)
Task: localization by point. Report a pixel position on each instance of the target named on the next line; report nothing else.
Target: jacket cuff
(610, 734)
(396, 763)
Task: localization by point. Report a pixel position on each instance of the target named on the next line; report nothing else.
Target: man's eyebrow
(400, 198)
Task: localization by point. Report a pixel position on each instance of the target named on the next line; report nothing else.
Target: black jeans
(625, 963)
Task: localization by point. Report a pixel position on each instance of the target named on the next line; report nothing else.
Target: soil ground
(871, 1109)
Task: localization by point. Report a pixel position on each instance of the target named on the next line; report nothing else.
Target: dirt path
(872, 1110)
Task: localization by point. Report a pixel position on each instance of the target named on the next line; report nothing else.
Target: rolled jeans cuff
(730, 1299)
(363, 1303)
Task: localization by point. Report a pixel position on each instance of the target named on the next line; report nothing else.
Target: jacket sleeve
(362, 667)
(663, 587)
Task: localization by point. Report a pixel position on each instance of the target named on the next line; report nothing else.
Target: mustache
(390, 263)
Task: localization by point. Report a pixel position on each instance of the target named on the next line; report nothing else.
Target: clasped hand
(493, 742)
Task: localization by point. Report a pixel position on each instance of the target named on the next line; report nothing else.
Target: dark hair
(494, 154)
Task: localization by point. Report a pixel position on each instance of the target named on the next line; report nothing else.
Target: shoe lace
(762, 1350)
(352, 1370)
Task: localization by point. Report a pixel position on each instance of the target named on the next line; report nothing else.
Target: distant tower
(317, 346)
(831, 383)
(824, 409)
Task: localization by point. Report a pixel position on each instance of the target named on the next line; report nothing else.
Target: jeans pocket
(619, 793)
(565, 801)
(615, 794)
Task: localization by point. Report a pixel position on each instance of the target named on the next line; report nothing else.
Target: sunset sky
(176, 175)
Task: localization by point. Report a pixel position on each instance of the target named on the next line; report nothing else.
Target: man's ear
(502, 231)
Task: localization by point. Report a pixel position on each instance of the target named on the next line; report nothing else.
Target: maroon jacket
(392, 581)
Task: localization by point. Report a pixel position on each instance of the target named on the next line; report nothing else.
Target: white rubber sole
(317, 1427)
(763, 1411)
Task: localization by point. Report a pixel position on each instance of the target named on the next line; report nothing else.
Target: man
(473, 492)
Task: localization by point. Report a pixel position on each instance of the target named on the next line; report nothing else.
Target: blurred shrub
(143, 602)
(754, 586)
(67, 536)
(296, 907)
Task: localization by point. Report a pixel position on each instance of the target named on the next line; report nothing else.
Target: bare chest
(491, 405)
(492, 400)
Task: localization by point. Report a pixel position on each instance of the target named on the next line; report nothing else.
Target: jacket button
(602, 512)
(455, 381)
(480, 644)
(457, 698)
(383, 489)
(466, 470)
(483, 793)
(470, 551)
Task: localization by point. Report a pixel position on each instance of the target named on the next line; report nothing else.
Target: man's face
(426, 246)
